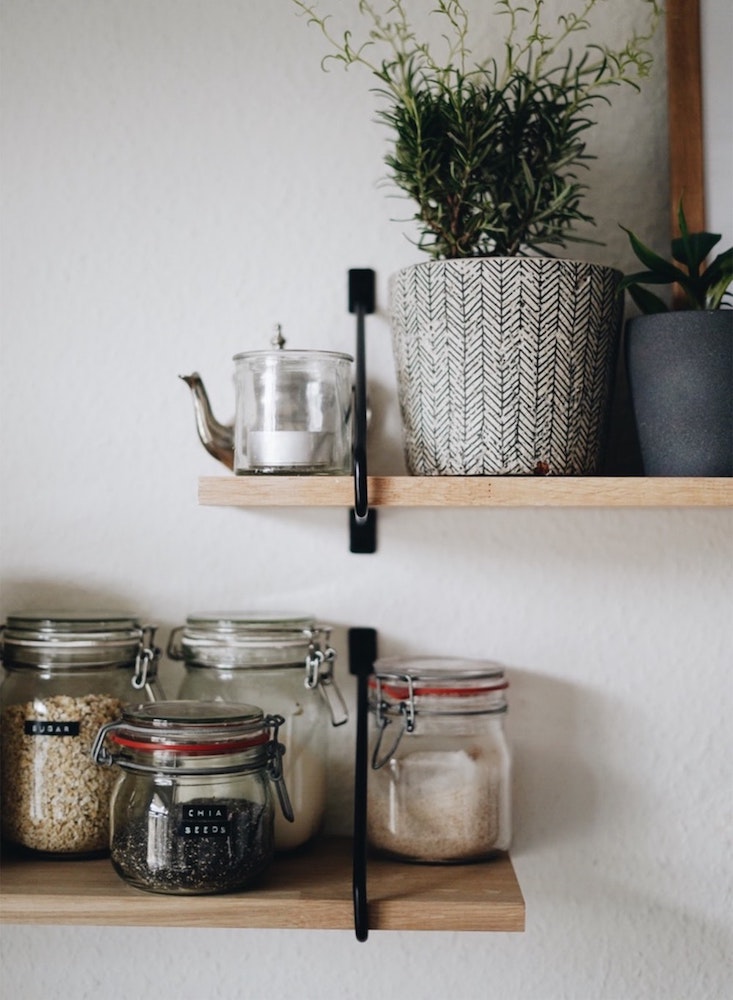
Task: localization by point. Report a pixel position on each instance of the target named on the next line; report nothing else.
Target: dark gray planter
(680, 368)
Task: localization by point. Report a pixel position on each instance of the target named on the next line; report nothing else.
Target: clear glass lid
(246, 639)
(437, 676)
(171, 715)
(250, 622)
(287, 358)
(436, 685)
(190, 726)
(49, 623)
(72, 638)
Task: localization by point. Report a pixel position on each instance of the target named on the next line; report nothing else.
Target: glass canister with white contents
(284, 663)
(439, 787)
(67, 673)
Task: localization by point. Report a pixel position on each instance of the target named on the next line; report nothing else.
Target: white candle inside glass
(268, 449)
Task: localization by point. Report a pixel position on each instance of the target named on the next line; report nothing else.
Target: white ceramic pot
(505, 365)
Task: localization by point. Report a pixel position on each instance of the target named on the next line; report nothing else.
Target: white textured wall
(178, 176)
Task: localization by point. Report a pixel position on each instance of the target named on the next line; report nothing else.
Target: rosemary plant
(490, 153)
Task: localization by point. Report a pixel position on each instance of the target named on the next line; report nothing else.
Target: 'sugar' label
(42, 727)
(204, 821)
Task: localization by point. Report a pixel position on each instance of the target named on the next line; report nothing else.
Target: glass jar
(192, 809)
(293, 412)
(283, 663)
(67, 674)
(439, 784)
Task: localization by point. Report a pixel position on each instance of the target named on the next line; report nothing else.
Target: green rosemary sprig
(490, 156)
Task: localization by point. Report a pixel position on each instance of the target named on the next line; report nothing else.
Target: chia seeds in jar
(192, 807)
(67, 675)
(439, 784)
(284, 663)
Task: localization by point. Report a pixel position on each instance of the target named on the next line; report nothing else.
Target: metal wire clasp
(99, 752)
(319, 677)
(275, 752)
(406, 711)
(146, 662)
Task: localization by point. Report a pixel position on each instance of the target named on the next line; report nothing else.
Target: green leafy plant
(703, 287)
(490, 154)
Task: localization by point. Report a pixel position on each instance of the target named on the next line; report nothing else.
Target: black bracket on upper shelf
(362, 520)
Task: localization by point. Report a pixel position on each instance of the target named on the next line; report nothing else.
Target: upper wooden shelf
(311, 889)
(466, 491)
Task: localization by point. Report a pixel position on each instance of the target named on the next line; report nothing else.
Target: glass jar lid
(283, 357)
(191, 727)
(246, 639)
(73, 638)
(437, 685)
(70, 622)
(196, 737)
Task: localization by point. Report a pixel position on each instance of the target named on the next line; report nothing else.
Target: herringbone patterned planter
(505, 364)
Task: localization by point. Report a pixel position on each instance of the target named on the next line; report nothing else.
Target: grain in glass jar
(439, 783)
(67, 674)
(284, 663)
(192, 808)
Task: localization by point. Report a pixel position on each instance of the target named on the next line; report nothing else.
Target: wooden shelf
(309, 890)
(466, 491)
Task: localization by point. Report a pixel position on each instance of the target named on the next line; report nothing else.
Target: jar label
(44, 727)
(204, 821)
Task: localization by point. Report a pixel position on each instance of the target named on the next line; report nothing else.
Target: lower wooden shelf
(311, 889)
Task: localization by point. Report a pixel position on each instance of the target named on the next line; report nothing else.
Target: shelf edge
(467, 491)
(309, 891)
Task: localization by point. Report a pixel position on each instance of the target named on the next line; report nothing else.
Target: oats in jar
(55, 799)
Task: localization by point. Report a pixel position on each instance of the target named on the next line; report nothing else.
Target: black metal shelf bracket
(362, 654)
(362, 520)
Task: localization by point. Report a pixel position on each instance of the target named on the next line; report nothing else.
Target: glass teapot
(293, 413)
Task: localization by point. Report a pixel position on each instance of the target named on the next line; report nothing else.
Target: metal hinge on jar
(319, 677)
(407, 719)
(275, 751)
(146, 662)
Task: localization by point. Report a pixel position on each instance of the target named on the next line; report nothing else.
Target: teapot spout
(218, 439)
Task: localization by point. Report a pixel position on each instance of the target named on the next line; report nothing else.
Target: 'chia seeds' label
(176, 851)
(204, 821)
(41, 727)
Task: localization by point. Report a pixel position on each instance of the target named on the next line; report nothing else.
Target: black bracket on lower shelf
(362, 654)
(363, 521)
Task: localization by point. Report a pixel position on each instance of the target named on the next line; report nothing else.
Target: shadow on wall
(66, 595)
(555, 781)
(623, 456)
(558, 733)
(386, 455)
(60, 596)
(557, 730)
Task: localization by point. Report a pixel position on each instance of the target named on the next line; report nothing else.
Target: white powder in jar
(305, 780)
(435, 805)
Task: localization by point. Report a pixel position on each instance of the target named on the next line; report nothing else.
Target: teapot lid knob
(278, 340)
